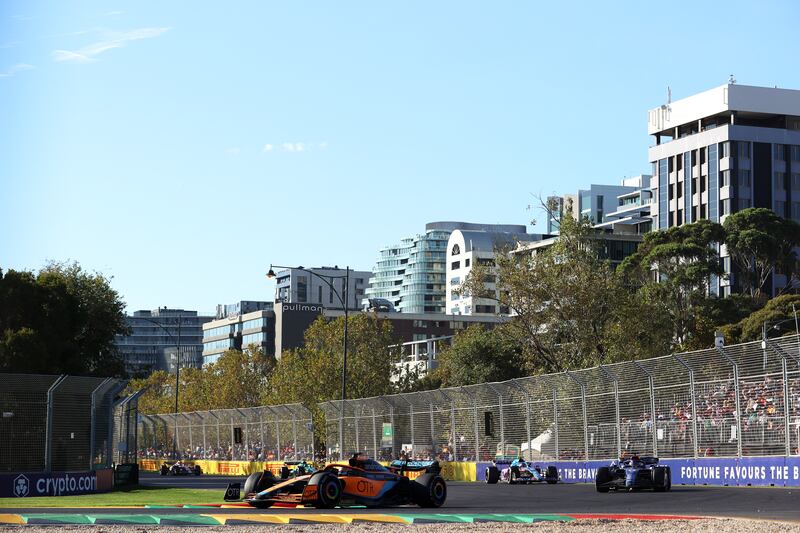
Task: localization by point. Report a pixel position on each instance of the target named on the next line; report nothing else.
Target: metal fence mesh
(740, 400)
(268, 433)
(55, 423)
(682, 405)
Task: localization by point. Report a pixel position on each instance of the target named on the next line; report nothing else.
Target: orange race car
(362, 481)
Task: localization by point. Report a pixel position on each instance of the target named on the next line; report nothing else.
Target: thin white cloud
(88, 53)
(295, 147)
(13, 70)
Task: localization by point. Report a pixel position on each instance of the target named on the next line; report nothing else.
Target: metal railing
(682, 405)
(269, 433)
(57, 423)
(740, 400)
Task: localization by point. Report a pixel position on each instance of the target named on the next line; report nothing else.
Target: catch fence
(734, 401)
(269, 433)
(60, 423)
(682, 405)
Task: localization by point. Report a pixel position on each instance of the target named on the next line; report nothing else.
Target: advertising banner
(30, 484)
(747, 471)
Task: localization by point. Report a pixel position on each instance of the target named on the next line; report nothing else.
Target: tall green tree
(480, 355)
(758, 241)
(61, 320)
(672, 269)
(370, 362)
(776, 317)
(562, 296)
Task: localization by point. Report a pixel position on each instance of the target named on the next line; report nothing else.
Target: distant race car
(632, 474)
(362, 481)
(180, 469)
(513, 472)
(296, 468)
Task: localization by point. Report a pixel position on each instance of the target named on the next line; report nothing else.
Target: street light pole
(328, 280)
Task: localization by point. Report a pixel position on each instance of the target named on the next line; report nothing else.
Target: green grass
(133, 496)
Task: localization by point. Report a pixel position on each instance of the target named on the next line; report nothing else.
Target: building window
(484, 309)
(744, 149)
(780, 208)
(795, 153)
(796, 211)
(456, 250)
(744, 203)
(726, 149)
(455, 265)
(779, 180)
(455, 281)
(302, 289)
(466, 262)
(779, 152)
(744, 179)
(795, 181)
(724, 207)
(725, 178)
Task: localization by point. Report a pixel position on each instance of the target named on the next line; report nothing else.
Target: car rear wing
(401, 466)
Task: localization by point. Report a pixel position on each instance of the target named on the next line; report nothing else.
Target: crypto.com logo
(21, 486)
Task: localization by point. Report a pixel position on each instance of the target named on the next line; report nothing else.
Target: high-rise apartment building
(467, 248)
(632, 214)
(301, 286)
(724, 150)
(593, 203)
(411, 275)
(155, 337)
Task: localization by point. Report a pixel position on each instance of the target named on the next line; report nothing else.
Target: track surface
(463, 497)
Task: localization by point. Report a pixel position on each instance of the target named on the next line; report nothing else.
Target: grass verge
(124, 497)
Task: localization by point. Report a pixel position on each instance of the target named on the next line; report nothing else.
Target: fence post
(613, 377)
(585, 418)
(555, 420)
(205, 446)
(433, 430)
(355, 427)
(739, 435)
(48, 444)
(502, 418)
(191, 440)
(787, 406)
(261, 430)
(217, 419)
(653, 421)
(452, 444)
(694, 401)
(93, 423)
(374, 436)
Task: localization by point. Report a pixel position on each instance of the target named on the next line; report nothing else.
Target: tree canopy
(60, 320)
(758, 241)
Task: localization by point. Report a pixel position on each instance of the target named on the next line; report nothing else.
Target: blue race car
(634, 473)
(520, 471)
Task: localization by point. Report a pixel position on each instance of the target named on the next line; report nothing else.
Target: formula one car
(179, 469)
(519, 471)
(362, 481)
(632, 474)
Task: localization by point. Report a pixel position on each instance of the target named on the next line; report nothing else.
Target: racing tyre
(492, 475)
(329, 490)
(602, 479)
(661, 481)
(257, 482)
(164, 470)
(551, 475)
(429, 490)
(260, 504)
(197, 470)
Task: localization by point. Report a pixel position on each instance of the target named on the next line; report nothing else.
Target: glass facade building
(722, 151)
(155, 336)
(411, 275)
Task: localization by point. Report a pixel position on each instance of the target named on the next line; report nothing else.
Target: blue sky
(181, 147)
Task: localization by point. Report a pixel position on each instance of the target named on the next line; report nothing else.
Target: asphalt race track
(463, 497)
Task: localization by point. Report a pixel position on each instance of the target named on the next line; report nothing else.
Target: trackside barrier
(450, 471)
(745, 471)
(30, 484)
